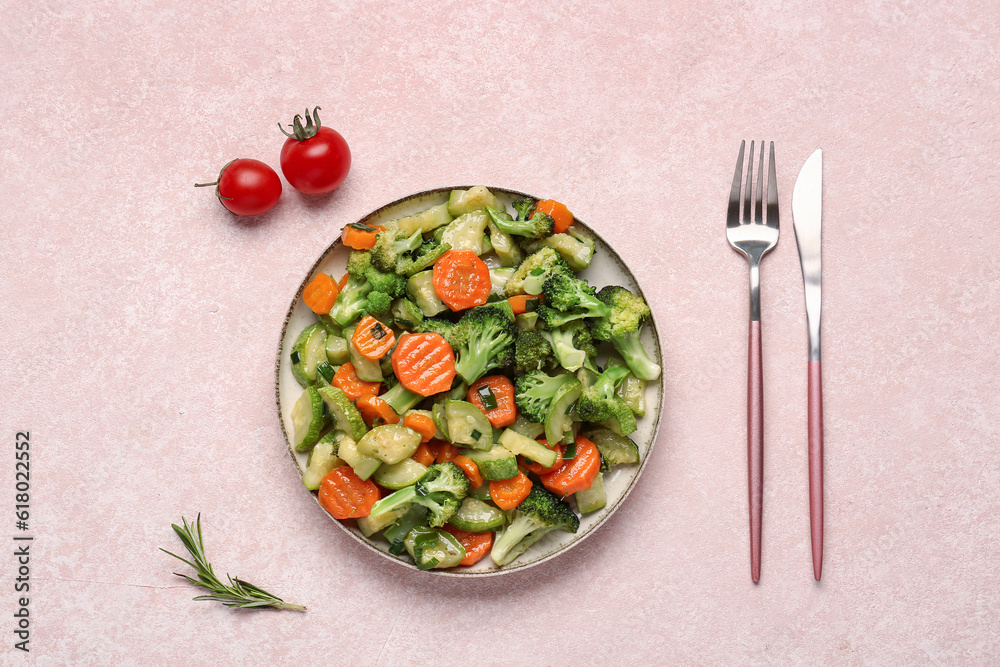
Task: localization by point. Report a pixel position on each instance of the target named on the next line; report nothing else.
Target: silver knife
(807, 217)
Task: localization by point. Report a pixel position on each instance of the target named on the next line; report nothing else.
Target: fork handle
(816, 465)
(755, 445)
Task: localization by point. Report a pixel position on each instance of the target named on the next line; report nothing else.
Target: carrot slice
(342, 283)
(423, 455)
(508, 493)
(445, 451)
(461, 279)
(320, 294)
(538, 468)
(477, 545)
(561, 217)
(345, 495)
(494, 395)
(347, 379)
(360, 236)
(372, 339)
(522, 303)
(577, 474)
(424, 363)
(376, 411)
(422, 424)
(470, 469)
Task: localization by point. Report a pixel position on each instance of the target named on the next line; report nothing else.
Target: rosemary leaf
(237, 593)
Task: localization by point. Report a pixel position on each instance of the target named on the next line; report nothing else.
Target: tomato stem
(216, 184)
(308, 131)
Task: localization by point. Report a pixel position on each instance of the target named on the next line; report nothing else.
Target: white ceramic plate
(607, 268)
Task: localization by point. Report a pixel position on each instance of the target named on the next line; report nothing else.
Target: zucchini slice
(420, 288)
(462, 423)
(406, 314)
(368, 527)
(433, 548)
(308, 350)
(398, 475)
(425, 221)
(615, 448)
(528, 429)
(594, 498)
(364, 466)
(632, 390)
(476, 198)
(322, 459)
(496, 464)
(528, 448)
(345, 416)
(468, 233)
(367, 369)
(336, 350)
(308, 419)
(390, 443)
(475, 516)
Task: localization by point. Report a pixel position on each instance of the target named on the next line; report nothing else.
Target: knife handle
(755, 445)
(816, 465)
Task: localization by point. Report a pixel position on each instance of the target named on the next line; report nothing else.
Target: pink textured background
(141, 319)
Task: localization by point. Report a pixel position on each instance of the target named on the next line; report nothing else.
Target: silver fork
(753, 239)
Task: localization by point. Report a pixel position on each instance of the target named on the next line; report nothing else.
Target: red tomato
(247, 187)
(314, 159)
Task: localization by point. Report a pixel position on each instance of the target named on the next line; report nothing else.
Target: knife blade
(807, 218)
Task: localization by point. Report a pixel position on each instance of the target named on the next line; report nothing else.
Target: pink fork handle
(816, 465)
(755, 445)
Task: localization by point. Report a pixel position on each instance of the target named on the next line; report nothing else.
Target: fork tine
(749, 188)
(758, 206)
(772, 190)
(733, 217)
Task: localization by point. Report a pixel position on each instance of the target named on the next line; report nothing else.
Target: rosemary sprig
(237, 593)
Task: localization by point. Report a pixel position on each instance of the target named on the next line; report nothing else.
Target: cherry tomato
(247, 187)
(314, 159)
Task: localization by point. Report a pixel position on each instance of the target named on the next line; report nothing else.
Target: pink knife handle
(755, 445)
(816, 465)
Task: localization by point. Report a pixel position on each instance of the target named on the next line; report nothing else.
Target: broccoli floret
(531, 274)
(352, 300)
(390, 245)
(378, 304)
(368, 291)
(395, 252)
(391, 284)
(532, 352)
(483, 339)
(533, 392)
(538, 226)
(599, 401)
(567, 299)
(438, 325)
(440, 490)
(622, 327)
(358, 263)
(524, 207)
(537, 515)
(567, 293)
(572, 346)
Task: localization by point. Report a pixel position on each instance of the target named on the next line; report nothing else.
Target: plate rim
(512, 567)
